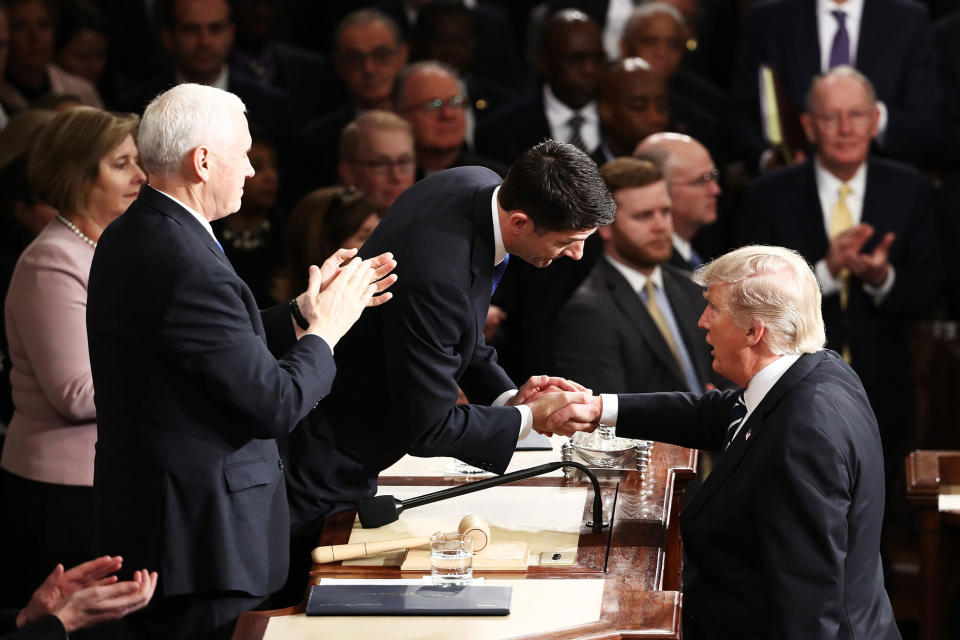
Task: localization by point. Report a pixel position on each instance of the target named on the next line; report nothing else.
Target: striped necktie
(576, 125)
(737, 414)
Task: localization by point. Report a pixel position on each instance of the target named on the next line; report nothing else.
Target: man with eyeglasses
(377, 156)
(866, 224)
(693, 181)
(368, 52)
(431, 97)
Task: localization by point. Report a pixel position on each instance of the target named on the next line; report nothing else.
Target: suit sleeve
(209, 331)
(916, 259)
(424, 327)
(804, 533)
(696, 421)
(46, 628)
(582, 353)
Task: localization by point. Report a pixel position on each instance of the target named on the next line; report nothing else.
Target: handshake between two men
(559, 405)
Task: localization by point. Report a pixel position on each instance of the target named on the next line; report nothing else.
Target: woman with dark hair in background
(84, 165)
(322, 222)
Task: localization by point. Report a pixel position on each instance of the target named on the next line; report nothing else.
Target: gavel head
(477, 528)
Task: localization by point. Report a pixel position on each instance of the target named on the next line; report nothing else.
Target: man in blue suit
(194, 384)
(452, 232)
(784, 534)
(867, 226)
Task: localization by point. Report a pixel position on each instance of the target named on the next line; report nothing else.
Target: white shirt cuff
(526, 414)
(828, 284)
(611, 406)
(879, 293)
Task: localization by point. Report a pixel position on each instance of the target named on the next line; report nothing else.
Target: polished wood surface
(639, 556)
(938, 533)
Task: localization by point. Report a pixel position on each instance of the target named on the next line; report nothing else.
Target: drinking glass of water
(451, 558)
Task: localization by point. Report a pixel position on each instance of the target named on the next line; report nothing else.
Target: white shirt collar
(637, 280)
(222, 81)
(761, 383)
(196, 214)
(828, 189)
(499, 250)
(684, 248)
(827, 27)
(558, 116)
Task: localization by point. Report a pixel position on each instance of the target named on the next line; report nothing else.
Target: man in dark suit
(570, 59)
(612, 335)
(889, 41)
(197, 37)
(452, 231)
(431, 97)
(784, 534)
(193, 383)
(867, 225)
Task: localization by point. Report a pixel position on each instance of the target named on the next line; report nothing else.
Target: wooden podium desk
(638, 558)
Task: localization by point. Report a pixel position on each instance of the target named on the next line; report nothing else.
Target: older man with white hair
(194, 384)
(784, 534)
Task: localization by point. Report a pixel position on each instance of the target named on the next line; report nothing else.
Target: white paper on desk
(386, 581)
(949, 498)
(535, 441)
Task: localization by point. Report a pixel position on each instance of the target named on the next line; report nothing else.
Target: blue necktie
(840, 49)
(737, 414)
(498, 272)
(695, 260)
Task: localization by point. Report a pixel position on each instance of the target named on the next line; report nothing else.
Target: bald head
(633, 104)
(691, 176)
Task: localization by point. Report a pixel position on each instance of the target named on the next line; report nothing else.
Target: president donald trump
(784, 534)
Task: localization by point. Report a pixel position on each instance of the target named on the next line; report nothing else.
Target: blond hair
(65, 161)
(374, 119)
(772, 286)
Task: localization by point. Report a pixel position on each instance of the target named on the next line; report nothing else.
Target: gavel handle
(334, 553)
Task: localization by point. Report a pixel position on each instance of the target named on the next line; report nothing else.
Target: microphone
(380, 510)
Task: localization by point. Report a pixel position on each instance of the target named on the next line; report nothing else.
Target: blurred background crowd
(351, 102)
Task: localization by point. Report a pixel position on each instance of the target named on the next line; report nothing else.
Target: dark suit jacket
(785, 532)
(193, 385)
(606, 340)
(399, 367)
(784, 209)
(895, 51)
(505, 134)
(46, 628)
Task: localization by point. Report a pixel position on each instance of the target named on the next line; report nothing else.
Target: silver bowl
(602, 449)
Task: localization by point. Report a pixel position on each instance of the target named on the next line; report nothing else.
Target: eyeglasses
(457, 101)
(383, 166)
(358, 59)
(710, 176)
(857, 118)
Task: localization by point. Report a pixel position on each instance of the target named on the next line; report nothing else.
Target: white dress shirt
(617, 13)
(499, 253)
(827, 27)
(828, 190)
(684, 248)
(558, 117)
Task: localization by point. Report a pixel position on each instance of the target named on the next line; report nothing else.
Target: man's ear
(518, 223)
(604, 232)
(755, 334)
(199, 160)
(806, 121)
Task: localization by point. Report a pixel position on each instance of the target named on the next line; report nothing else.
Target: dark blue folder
(407, 600)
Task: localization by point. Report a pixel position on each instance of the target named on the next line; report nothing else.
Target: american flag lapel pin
(747, 435)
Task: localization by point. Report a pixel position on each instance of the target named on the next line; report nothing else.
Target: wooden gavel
(471, 525)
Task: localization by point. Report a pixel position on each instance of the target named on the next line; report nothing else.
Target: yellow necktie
(654, 309)
(840, 221)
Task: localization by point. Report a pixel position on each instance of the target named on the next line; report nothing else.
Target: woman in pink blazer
(84, 164)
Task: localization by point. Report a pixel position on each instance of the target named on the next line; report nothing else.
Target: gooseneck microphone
(380, 510)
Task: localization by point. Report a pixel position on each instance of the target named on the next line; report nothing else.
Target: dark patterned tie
(498, 272)
(576, 124)
(840, 49)
(737, 414)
